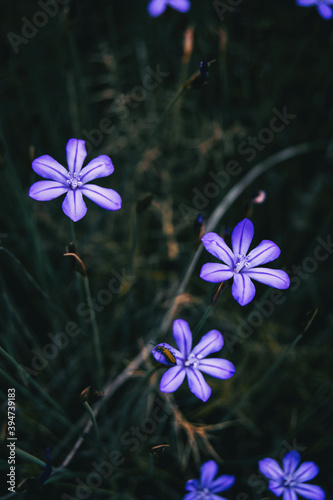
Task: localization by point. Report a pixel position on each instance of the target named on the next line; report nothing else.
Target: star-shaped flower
(73, 182)
(191, 362)
(323, 6)
(242, 267)
(206, 487)
(290, 480)
(157, 7)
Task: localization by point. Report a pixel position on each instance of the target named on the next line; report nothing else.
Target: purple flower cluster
(73, 182)
(323, 6)
(191, 362)
(240, 266)
(206, 487)
(290, 480)
(157, 7)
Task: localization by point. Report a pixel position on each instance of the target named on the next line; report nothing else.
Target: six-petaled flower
(289, 481)
(74, 181)
(157, 7)
(206, 487)
(323, 6)
(191, 362)
(240, 266)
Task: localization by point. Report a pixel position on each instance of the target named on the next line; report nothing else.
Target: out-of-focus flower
(289, 481)
(206, 487)
(157, 7)
(323, 6)
(73, 181)
(190, 362)
(242, 267)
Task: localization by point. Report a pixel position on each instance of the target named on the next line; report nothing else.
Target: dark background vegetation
(81, 67)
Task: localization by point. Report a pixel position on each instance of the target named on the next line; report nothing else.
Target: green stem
(92, 418)
(29, 457)
(268, 373)
(41, 391)
(96, 337)
(202, 321)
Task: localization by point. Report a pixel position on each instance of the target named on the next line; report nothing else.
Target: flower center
(289, 481)
(241, 261)
(204, 493)
(193, 360)
(74, 181)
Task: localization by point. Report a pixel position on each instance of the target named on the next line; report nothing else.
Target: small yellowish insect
(167, 353)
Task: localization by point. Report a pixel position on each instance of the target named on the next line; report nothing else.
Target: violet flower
(242, 267)
(157, 7)
(191, 362)
(206, 487)
(290, 480)
(323, 6)
(73, 182)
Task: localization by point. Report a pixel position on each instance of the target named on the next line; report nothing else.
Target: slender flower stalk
(96, 336)
(190, 362)
(240, 266)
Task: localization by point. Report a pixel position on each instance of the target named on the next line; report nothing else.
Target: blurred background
(106, 72)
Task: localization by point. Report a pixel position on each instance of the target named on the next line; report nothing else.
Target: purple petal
(265, 252)
(325, 11)
(243, 290)
(310, 491)
(272, 277)
(275, 487)
(241, 237)
(47, 167)
(306, 3)
(192, 485)
(181, 5)
(289, 495)
(101, 166)
(183, 336)
(172, 379)
(210, 342)
(163, 358)
(197, 384)
(207, 473)
(222, 483)
(271, 469)
(47, 190)
(74, 206)
(306, 471)
(216, 367)
(156, 7)
(76, 154)
(105, 198)
(216, 245)
(290, 461)
(215, 273)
